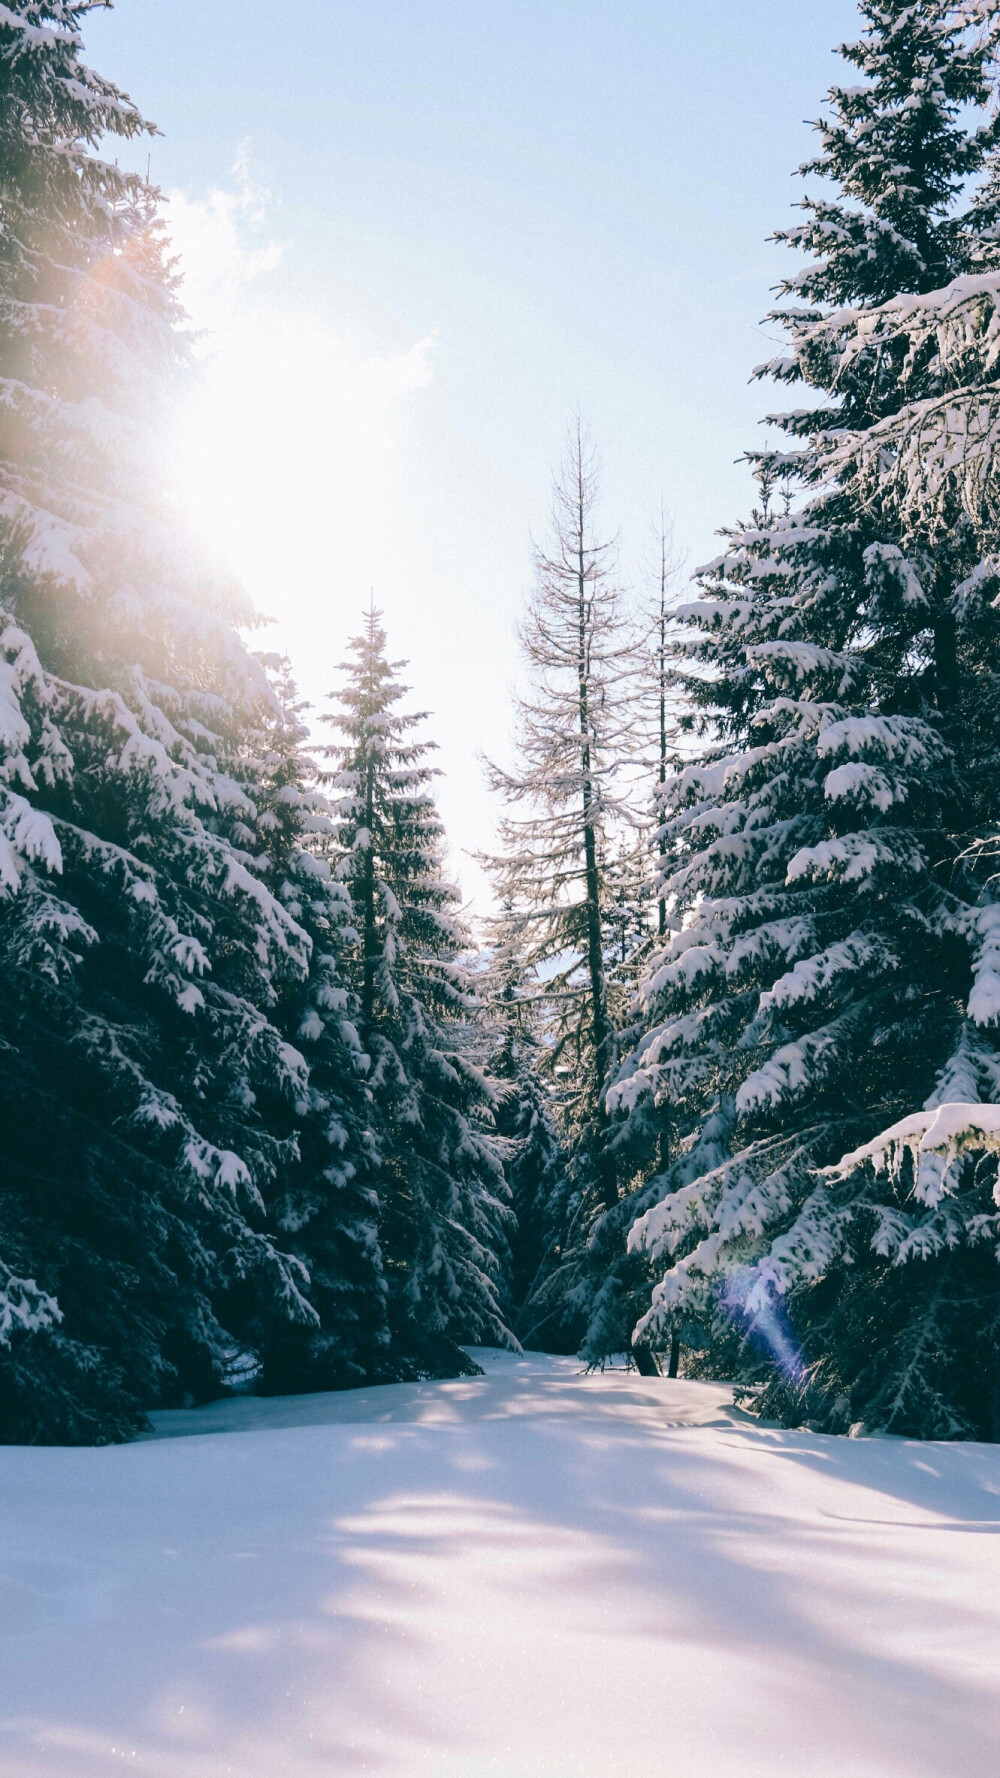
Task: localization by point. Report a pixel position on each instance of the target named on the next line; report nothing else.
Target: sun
(284, 453)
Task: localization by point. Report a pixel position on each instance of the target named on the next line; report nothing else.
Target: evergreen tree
(527, 1121)
(141, 956)
(622, 1278)
(327, 1210)
(829, 968)
(628, 919)
(610, 1284)
(445, 1213)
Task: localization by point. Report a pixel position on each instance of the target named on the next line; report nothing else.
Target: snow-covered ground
(535, 1574)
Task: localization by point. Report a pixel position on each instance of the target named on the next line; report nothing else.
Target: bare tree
(660, 674)
(576, 728)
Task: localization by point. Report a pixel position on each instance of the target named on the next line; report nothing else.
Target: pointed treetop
(899, 147)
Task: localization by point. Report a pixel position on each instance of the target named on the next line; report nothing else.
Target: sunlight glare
(284, 453)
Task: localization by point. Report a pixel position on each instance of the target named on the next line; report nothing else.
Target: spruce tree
(141, 954)
(326, 1210)
(831, 929)
(444, 1202)
(527, 1121)
(628, 918)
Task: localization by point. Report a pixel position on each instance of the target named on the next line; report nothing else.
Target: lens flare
(755, 1306)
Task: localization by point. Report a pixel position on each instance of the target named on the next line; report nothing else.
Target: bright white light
(285, 453)
(301, 460)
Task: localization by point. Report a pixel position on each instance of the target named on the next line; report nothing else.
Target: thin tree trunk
(369, 935)
(600, 1025)
(595, 947)
(945, 659)
(661, 912)
(595, 958)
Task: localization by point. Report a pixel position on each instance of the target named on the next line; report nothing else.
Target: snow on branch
(23, 1307)
(937, 1142)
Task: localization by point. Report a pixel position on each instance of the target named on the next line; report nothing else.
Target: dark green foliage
(327, 1209)
(831, 963)
(444, 1202)
(535, 1159)
(148, 1099)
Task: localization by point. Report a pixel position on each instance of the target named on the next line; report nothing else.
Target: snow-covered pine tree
(629, 918)
(567, 797)
(139, 952)
(832, 940)
(445, 1210)
(326, 1210)
(527, 1120)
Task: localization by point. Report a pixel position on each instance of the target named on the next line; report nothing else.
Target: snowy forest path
(534, 1574)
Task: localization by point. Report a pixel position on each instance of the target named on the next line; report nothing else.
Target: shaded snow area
(535, 1573)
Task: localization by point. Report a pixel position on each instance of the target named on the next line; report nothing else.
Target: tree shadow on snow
(525, 1597)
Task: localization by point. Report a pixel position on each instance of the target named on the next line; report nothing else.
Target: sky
(416, 236)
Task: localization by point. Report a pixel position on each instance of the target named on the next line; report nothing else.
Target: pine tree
(832, 934)
(527, 1121)
(628, 918)
(622, 1278)
(326, 1211)
(140, 954)
(444, 1202)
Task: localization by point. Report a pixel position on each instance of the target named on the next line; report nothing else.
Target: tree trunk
(368, 930)
(661, 913)
(595, 960)
(945, 659)
(600, 1027)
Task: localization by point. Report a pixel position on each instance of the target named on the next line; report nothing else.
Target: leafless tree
(577, 732)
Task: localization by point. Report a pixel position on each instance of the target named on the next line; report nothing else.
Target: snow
(533, 1574)
(936, 1138)
(862, 783)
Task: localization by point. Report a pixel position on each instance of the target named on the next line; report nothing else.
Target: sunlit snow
(534, 1574)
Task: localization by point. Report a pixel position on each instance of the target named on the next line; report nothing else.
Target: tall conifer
(141, 955)
(325, 1209)
(444, 1202)
(535, 1159)
(830, 927)
(575, 733)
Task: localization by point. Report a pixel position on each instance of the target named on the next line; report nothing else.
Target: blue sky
(460, 220)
